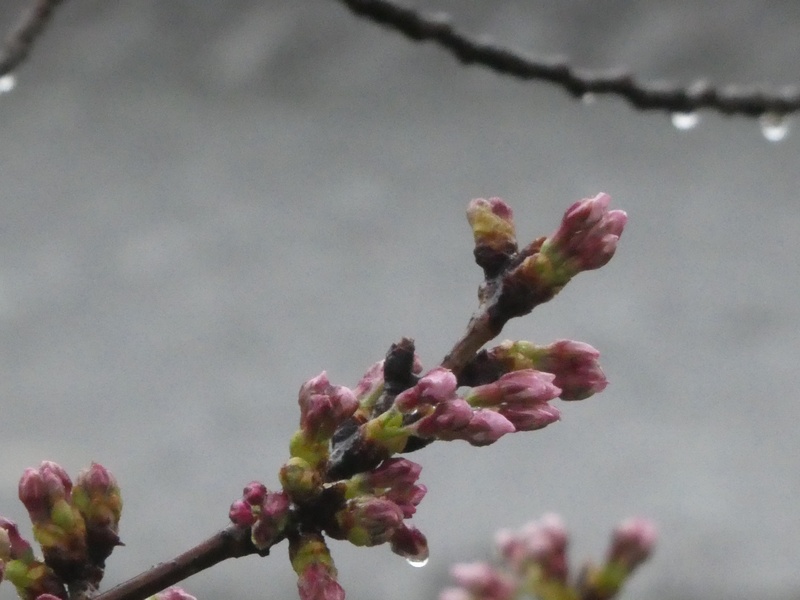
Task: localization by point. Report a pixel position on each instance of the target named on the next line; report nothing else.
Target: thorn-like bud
(97, 497)
(492, 223)
(316, 573)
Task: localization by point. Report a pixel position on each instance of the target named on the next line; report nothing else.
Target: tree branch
(231, 542)
(730, 100)
(19, 41)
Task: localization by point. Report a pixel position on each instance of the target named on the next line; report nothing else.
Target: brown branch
(438, 28)
(19, 41)
(231, 542)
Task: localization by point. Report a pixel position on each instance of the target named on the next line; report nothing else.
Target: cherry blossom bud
(587, 237)
(58, 526)
(521, 397)
(267, 513)
(445, 419)
(574, 364)
(484, 582)
(485, 427)
(369, 520)
(518, 388)
(316, 573)
(492, 225)
(97, 497)
(369, 388)
(33, 579)
(323, 407)
(12, 545)
(410, 543)
(173, 593)
(439, 385)
(300, 480)
(632, 543)
(272, 520)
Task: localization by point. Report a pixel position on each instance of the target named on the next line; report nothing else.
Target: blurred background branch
(18, 43)
(730, 100)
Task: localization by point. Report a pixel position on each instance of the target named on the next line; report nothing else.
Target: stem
(231, 542)
(479, 331)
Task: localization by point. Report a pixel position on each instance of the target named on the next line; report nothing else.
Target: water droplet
(774, 127)
(417, 563)
(588, 98)
(685, 121)
(7, 83)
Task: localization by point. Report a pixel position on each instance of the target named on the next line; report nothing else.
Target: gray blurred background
(206, 203)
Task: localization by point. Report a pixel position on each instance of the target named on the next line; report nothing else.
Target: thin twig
(438, 28)
(231, 542)
(19, 41)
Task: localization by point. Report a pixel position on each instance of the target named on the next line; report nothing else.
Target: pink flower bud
(588, 235)
(632, 543)
(483, 581)
(518, 388)
(545, 543)
(12, 545)
(40, 488)
(323, 407)
(409, 543)
(439, 385)
(369, 520)
(316, 573)
(273, 516)
(317, 583)
(530, 418)
(445, 419)
(97, 497)
(173, 593)
(485, 427)
(576, 368)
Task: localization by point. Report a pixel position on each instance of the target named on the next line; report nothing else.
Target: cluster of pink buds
(343, 478)
(535, 564)
(75, 526)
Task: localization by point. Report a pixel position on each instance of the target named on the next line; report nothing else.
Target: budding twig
(19, 41)
(730, 100)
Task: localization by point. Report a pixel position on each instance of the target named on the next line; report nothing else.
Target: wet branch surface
(467, 49)
(20, 40)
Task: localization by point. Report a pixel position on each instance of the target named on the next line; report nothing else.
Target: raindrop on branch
(588, 98)
(774, 127)
(685, 121)
(7, 83)
(417, 563)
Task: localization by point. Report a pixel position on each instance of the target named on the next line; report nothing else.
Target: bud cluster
(518, 280)
(535, 564)
(343, 478)
(75, 526)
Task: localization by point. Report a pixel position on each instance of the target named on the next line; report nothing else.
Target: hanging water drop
(685, 120)
(417, 563)
(588, 98)
(774, 127)
(7, 83)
